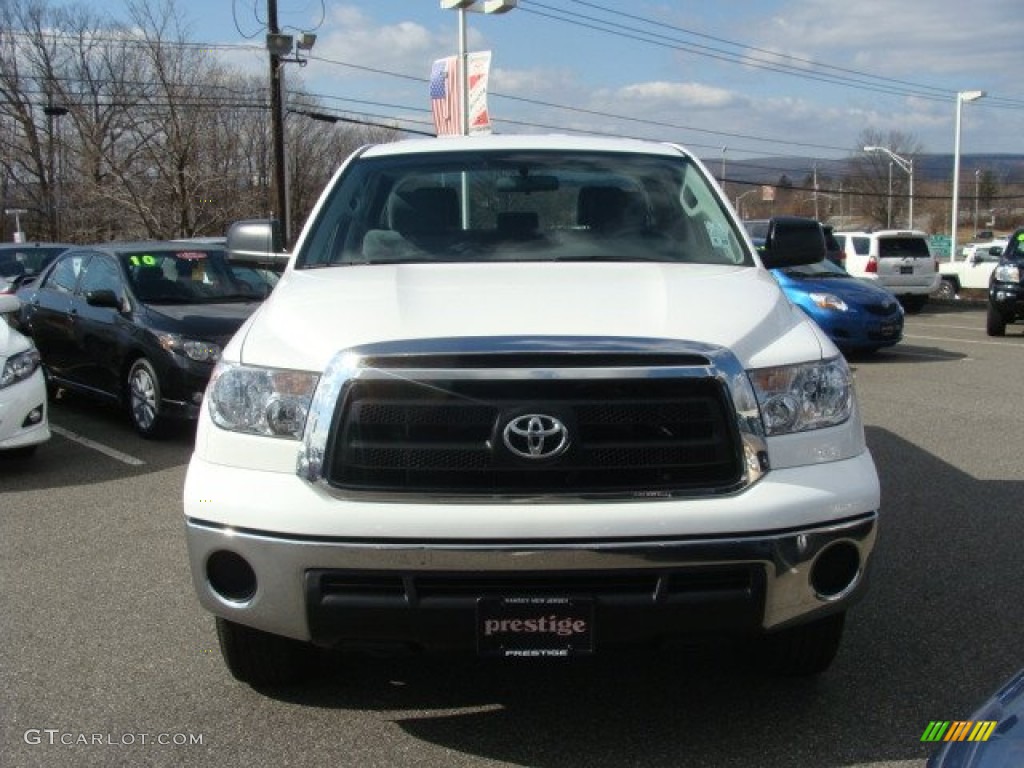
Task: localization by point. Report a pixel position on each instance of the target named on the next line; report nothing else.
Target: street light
(977, 194)
(739, 200)
(479, 6)
(908, 167)
(52, 112)
(961, 97)
(19, 236)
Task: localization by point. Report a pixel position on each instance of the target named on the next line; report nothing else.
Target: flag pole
(463, 76)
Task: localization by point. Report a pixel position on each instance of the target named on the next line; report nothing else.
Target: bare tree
(881, 185)
(112, 130)
(30, 76)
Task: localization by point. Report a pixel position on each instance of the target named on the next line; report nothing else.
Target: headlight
(19, 367)
(260, 401)
(829, 301)
(797, 398)
(1007, 273)
(200, 351)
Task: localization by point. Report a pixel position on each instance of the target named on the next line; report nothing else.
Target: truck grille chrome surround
(614, 418)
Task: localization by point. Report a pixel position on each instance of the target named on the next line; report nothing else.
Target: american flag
(445, 97)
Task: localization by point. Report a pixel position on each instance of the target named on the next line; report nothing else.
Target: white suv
(899, 260)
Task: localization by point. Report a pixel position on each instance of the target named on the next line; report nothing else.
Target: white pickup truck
(529, 396)
(971, 270)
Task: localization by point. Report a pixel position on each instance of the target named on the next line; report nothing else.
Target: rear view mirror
(527, 184)
(257, 242)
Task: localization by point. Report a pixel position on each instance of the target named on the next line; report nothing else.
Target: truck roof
(557, 142)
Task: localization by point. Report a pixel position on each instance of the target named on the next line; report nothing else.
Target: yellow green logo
(959, 730)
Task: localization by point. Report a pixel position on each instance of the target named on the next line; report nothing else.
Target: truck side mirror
(793, 241)
(257, 243)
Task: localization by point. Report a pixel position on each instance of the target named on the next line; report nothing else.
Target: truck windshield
(522, 206)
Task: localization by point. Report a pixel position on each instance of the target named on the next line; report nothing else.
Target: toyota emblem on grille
(536, 436)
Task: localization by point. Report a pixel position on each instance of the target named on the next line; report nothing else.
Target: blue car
(858, 316)
(1000, 721)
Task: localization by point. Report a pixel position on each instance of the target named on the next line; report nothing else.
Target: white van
(899, 260)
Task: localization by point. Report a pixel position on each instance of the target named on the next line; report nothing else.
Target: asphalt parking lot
(108, 659)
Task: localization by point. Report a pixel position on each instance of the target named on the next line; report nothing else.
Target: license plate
(906, 270)
(535, 627)
(888, 330)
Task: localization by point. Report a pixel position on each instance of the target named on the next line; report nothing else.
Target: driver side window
(65, 273)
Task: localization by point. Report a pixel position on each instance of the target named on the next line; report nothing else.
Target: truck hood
(315, 313)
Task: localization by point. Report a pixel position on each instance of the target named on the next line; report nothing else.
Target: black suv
(1006, 288)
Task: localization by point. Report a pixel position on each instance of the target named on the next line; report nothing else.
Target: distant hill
(1009, 168)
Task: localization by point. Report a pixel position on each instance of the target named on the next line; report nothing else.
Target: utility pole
(816, 191)
(277, 128)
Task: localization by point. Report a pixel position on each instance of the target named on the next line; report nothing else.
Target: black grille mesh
(627, 436)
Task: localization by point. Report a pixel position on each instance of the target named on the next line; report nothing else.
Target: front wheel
(144, 398)
(947, 290)
(804, 650)
(995, 323)
(262, 659)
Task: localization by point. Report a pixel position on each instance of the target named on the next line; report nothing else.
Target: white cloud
(660, 93)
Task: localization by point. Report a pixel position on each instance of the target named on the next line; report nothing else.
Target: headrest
(607, 208)
(517, 223)
(148, 274)
(427, 210)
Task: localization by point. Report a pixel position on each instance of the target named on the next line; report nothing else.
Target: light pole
(977, 194)
(888, 201)
(908, 166)
(19, 236)
(52, 112)
(479, 6)
(961, 97)
(739, 201)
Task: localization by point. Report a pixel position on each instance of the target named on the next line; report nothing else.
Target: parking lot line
(106, 450)
(964, 341)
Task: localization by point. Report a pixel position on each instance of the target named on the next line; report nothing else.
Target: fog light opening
(35, 416)
(231, 576)
(836, 570)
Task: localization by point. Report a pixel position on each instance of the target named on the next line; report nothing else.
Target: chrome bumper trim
(280, 563)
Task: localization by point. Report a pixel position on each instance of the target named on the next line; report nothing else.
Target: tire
(947, 290)
(913, 304)
(143, 399)
(262, 659)
(805, 650)
(53, 389)
(995, 323)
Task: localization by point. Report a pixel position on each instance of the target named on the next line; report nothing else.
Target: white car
(972, 270)
(23, 416)
(899, 260)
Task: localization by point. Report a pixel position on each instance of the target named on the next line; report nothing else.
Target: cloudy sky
(755, 77)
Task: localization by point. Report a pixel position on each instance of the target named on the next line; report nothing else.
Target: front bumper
(862, 332)
(183, 383)
(424, 594)
(1007, 299)
(23, 413)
